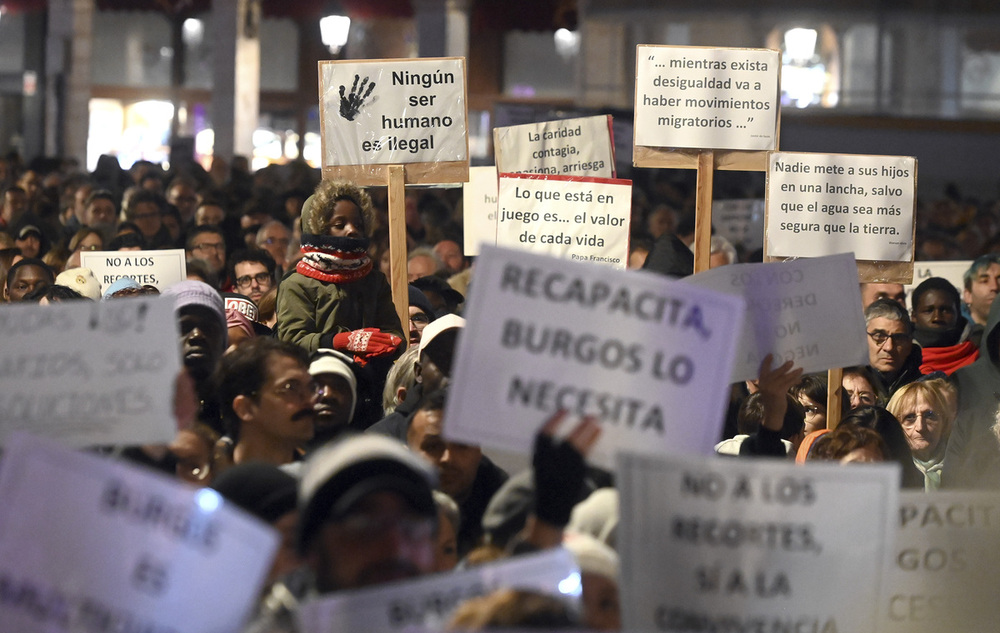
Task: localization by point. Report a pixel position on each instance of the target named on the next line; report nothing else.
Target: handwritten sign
(569, 147)
(823, 204)
(583, 219)
(91, 544)
(753, 545)
(649, 356)
(947, 564)
(427, 603)
(952, 271)
(740, 222)
(90, 373)
(479, 208)
(393, 111)
(804, 310)
(712, 98)
(148, 268)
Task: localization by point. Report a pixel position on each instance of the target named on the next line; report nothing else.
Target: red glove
(367, 342)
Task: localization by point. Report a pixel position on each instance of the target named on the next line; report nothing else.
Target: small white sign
(711, 98)
(650, 357)
(753, 545)
(391, 112)
(823, 204)
(568, 147)
(947, 564)
(148, 268)
(479, 208)
(93, 544)
(583, 219)
(803, 310)
(740, 221)
(427, 603)
(90, 373)
(952, 271)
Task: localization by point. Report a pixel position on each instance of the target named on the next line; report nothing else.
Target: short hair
(447, 506)
(246, 255)
(888, 309)
(722, 245)
(751, 415)
(401, 374)
(30, 261)
(242, 372)
(940, 284)
(259, 238)
(102, 194)
(144, 195)
(316, 215)
(198, 230)
(938, 392)
(978, 264)
(427, 251)
(845, 439)
(866, 372)
(812, 386)
(199, 268)
(126, 240)
(55, 292)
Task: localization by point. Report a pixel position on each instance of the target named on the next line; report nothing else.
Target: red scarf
(334, 259)
(948, 359)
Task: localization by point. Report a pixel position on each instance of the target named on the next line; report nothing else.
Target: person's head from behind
(399, 381)
(890, 335)
(599, 575)
(367, 513)
(888, 428)
(925, 410)
(25, 276)
(513, 609)
(850, 443)
(457, 463)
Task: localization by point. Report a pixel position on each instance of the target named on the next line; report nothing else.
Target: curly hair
(317, 212)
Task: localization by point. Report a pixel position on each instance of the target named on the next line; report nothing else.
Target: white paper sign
(823, 204)
(390, 112)
(947, 565)
(753, 545)
(583, 219)
(90, 373)
(568, 147)
(154, 268)
(740, 222)
(952, 271)
(649, 356)
(427, 603)
(803, 310)
(479, 208)
(102, 545)
(713, 98)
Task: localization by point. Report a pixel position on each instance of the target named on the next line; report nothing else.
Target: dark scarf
(334, 259)
(940, 338)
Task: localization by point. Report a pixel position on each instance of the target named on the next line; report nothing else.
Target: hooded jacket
(972, 459)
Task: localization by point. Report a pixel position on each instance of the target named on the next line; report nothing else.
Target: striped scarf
(334, 259)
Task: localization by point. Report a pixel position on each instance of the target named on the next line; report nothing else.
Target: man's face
(30, 245)
(456, 463)
(283, 407)
(26, 278)
(896, 344)
(333, 406)
(935, 310)
(451, 254)
(252, 280)
(418, 321)
(871, 292)
(210, 247)
(202, 340)
(982, 291)
(209, 214)
(275, 241)
(382, 539)
(184, 198)
(923, 426)
(147, 218)
(420, 266)
(15, 203)
(100, 212)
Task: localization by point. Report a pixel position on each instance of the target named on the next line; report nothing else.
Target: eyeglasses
(282, 241)
(880, 337)
(219, 246)
(246, 280)
(413, 529)
(92, 247)
(911, 418)
(420, 319)
(296, 388)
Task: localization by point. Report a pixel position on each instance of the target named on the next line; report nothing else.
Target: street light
(333, 30)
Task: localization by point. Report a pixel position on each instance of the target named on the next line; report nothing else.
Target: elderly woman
(926, 411)
(334, 299)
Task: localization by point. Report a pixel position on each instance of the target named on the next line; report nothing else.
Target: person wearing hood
(893, 357)
(940, 329)
(972, 459)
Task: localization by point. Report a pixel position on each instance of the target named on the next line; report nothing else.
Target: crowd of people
(314, 408)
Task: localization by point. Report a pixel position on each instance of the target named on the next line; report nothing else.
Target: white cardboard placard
(583, 219)
(823, 204)
(479, 208)
(947, 564)
(710, 98)
(90, 373)
(153, 268)
(427, 603)
(649, 356)
(804, 310)
(746, 545)
(392, 112)
(567, 147)
(98, 539)
(952, 271)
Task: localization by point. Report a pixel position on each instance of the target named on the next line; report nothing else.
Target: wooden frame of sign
(395, 176)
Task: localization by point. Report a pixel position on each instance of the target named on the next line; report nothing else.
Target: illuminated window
(810, 62)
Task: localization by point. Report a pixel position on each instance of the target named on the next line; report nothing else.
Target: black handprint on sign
(350, 105)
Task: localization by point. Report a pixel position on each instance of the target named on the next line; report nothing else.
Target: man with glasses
(207, 243)
(893, 357)
(421, 313)
(252, 273)
(274, 237)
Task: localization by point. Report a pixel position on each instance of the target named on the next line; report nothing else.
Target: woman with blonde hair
(926, 411)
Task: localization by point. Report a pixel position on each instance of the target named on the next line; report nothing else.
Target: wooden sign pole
(703, 211)
(397, 245)
(834, 380)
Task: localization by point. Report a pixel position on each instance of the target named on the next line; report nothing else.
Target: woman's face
(860, 391)
(815, 413)
(923, 426)
(346, 220)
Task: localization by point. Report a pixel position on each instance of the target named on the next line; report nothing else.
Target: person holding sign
(334, 299)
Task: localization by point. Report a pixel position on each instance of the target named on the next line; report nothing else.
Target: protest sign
(753, 545)
(90, 373)
(153, 268)
(427, 603)
(394, 112)
(823, 204)
(711, 98)
(650, 357)
(740, 221)
(952, 271)
(92, 544)
(583, 219)
(568, 147)
(804, 310)
(947, 564)
(479, 208)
